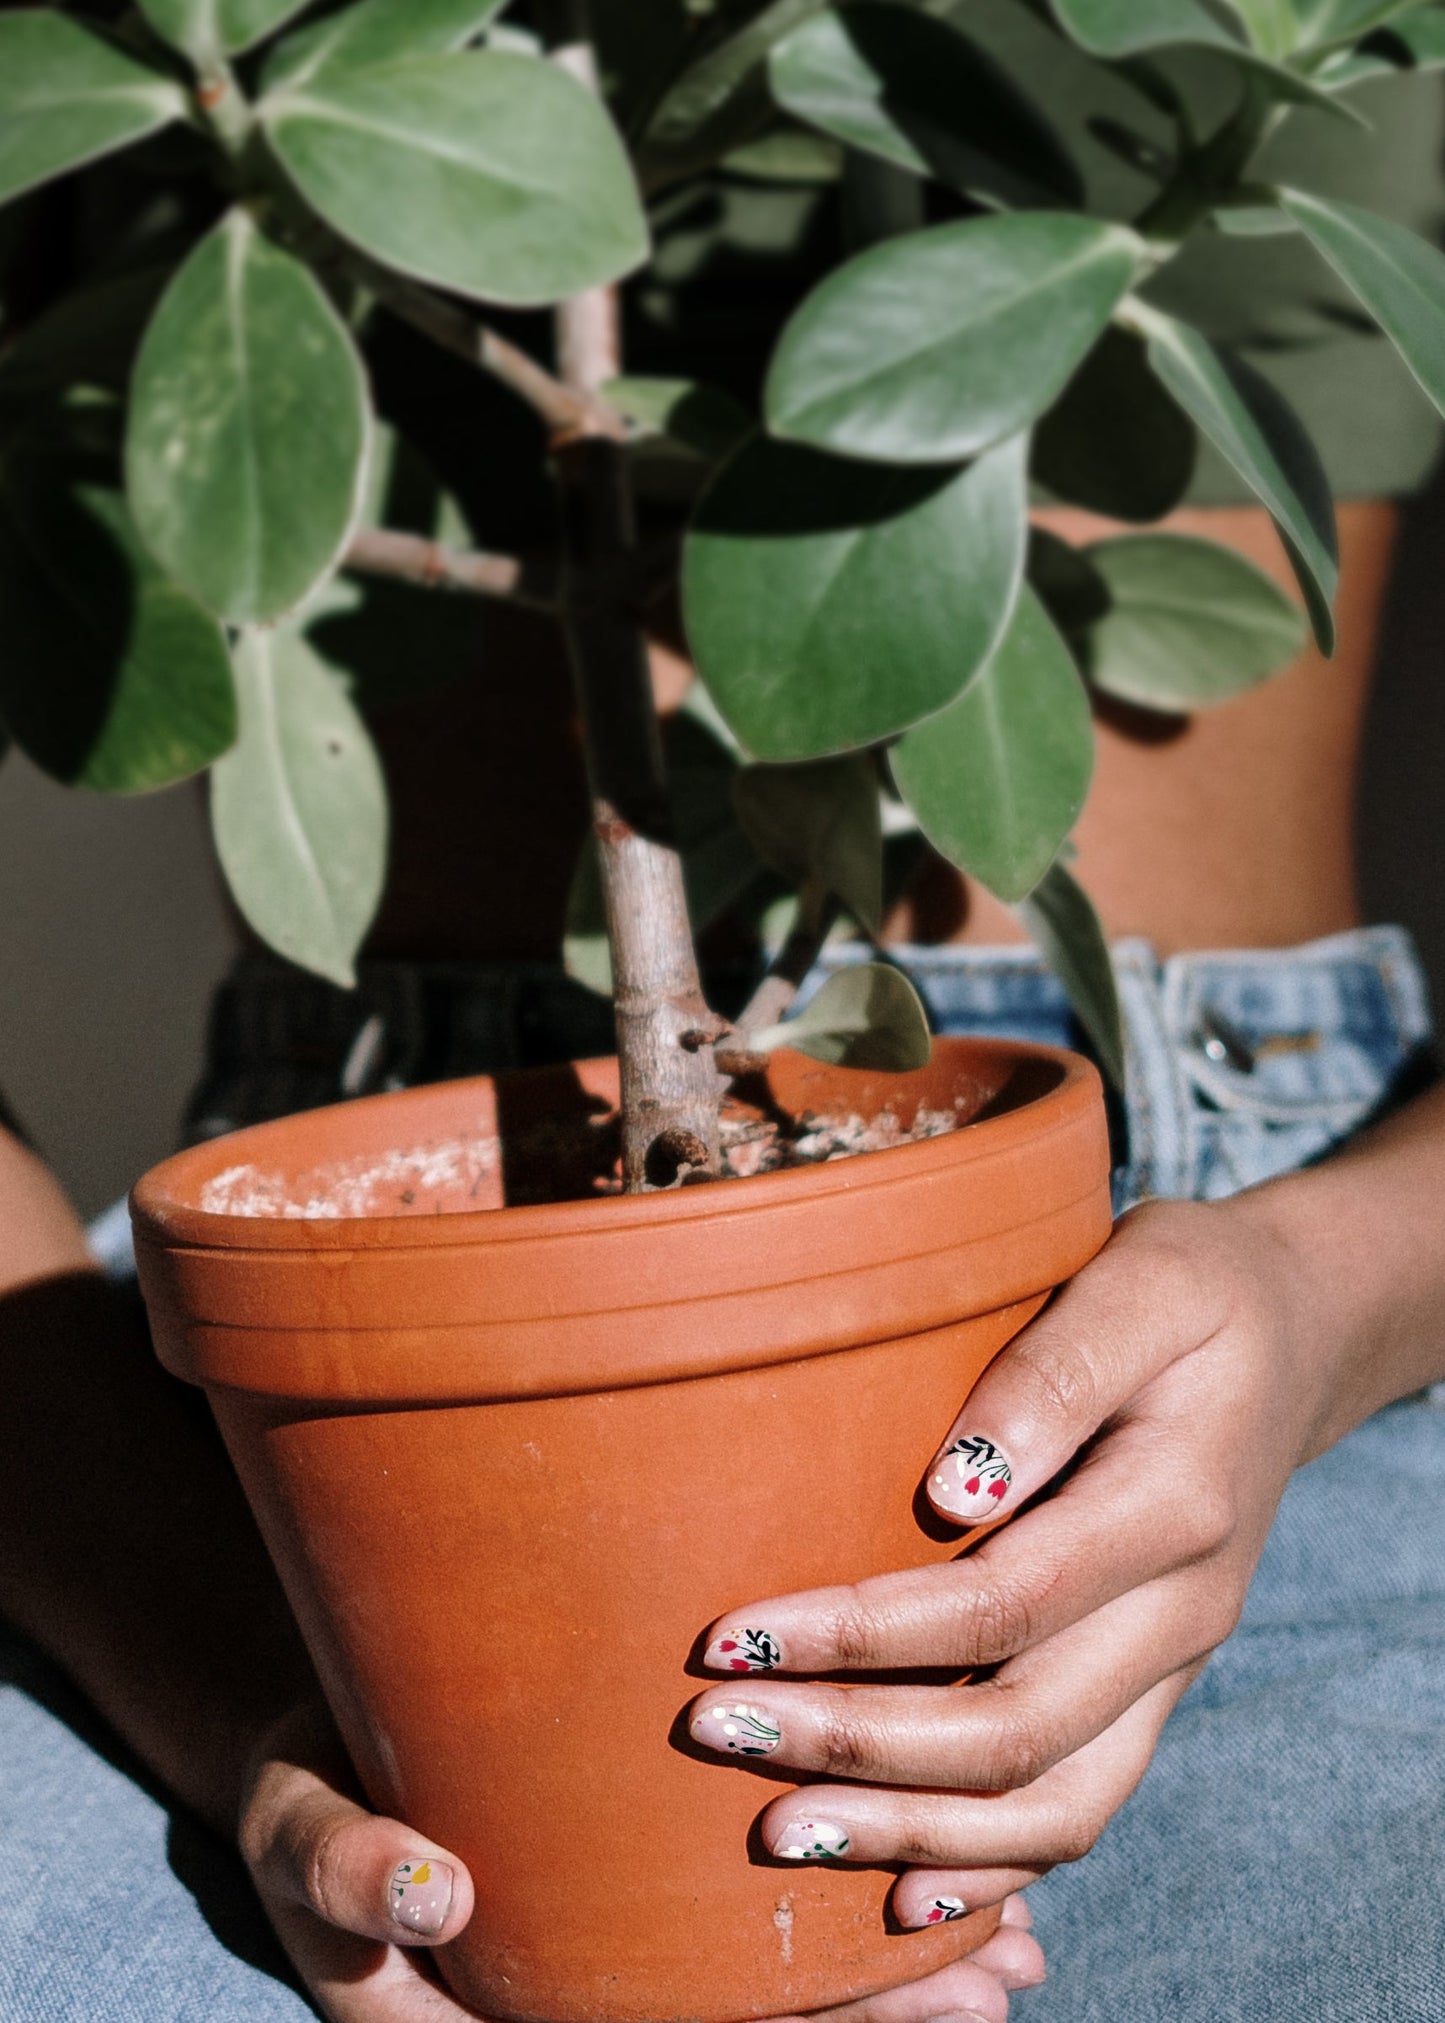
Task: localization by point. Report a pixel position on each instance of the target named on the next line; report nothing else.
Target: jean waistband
(1237, 1059)
(1241, 1063)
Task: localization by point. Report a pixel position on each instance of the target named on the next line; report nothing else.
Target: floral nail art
(942, 1911)
(744, 1651)
(421, 1895)
(744, 1731)
(812, 1840)
(972, 1479)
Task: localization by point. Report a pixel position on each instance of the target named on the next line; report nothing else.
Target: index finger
(1050, 1568)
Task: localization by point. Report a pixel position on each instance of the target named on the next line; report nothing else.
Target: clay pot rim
(162, 1209)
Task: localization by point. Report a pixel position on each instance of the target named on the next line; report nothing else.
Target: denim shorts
(1283, 1860)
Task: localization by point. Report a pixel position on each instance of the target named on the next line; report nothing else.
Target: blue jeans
(1281, 1861)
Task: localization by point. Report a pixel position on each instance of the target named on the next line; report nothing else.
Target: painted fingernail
(812, 1840)
(742, 1730)
(972, 1479)
(939, 1911)
(421, 1895)
(961, 2016)
(744, 1651)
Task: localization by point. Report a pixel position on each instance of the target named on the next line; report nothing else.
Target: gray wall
(112, 929)
(112, 932)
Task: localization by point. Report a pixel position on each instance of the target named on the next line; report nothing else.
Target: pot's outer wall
(504, 1598)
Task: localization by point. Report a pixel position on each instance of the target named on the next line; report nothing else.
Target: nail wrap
(420, 1894)
(812, 1840)
(739, 1729)
(971, 1480)
(744, 1651)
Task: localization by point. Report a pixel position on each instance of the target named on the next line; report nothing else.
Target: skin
(1283, 1317)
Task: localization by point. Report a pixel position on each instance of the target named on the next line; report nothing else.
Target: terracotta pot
(511, 1462)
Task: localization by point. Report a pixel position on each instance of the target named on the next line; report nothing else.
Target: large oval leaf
(1189, 623)
(111, 676)
(997, 779)
(249, 424)
(932, 346)
(208, 29)
(910, 88)
(1397, 275)
(830, 604)
(375, 31)
(298, 808)
(1115, 442)
(67, 95)
(1258, 433)
(489, 173)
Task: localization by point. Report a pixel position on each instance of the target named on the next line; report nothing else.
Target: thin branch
(817, 911)
(565, 411)
(412, 558)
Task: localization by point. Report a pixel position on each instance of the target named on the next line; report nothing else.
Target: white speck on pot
(783, 1919)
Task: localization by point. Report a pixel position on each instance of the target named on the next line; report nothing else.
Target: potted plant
(198, 511)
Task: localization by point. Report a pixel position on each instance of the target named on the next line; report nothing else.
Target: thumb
(310, 1846)
(1105, 1335)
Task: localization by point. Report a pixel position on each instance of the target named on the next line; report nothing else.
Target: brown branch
(817, 911)
(412, 558)
(671, 1092)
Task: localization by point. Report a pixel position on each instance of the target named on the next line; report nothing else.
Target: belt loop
(1162, 1141)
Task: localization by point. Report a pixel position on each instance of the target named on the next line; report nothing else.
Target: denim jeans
(1283, 1859)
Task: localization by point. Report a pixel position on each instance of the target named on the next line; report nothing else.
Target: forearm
(126, 1549)
(1365, 1235)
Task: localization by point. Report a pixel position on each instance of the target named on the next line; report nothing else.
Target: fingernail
(939, 1911)
(743, 1651)
(961, 2016)
(742, 1730)
(972, 1479)
(811, 1840)
(421, 1895)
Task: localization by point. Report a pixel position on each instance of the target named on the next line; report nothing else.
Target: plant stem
(817, 910)
(387, 551)
(671, 1093)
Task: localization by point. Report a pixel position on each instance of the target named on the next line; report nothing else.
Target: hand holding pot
(1168, 1392)
(358, 1901)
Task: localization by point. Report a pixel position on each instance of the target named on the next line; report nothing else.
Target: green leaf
(699, 418)
(1258, 433)
(1116, 443)
(248, 433)
(1189, 623)
(789, 154)
(866, 1016)
(1398, 276)
(1326, 22)
(703, 89)
(68, 96)
(997, 780)
(910, 88)
(112, 677)
(1115, 28)
(830, 604)
(375, 31)
(932, 346)
(495, 175)
(208, 29)
(1124, 28)
(298, 808)
(819, 823)
(1272, 26)
(1061, 920)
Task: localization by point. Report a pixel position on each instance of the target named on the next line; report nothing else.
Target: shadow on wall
(1402, 788)
(112, 933)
